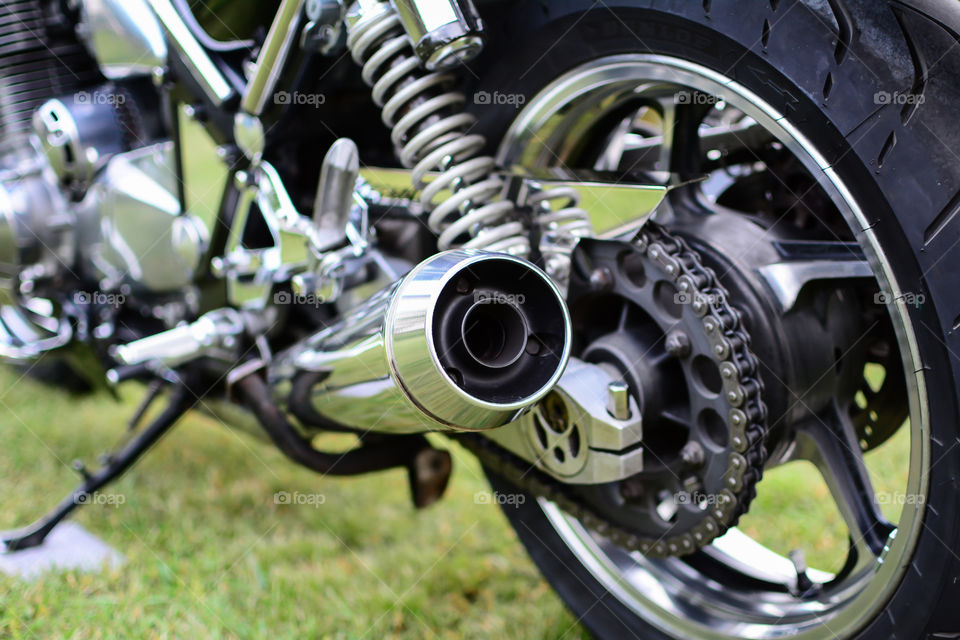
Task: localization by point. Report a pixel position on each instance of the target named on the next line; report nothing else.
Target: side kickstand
(181, 400)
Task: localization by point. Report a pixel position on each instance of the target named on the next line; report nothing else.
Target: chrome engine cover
(131, 227)
(127, 235)
(36, 225)
(37, 244)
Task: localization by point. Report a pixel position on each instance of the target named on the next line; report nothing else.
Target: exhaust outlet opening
(495, 335)
(500, 331)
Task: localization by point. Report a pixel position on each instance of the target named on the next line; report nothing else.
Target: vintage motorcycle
(631, 254)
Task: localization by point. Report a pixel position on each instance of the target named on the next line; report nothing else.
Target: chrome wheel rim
(671, 594)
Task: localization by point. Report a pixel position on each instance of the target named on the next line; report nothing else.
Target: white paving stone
(68, 547)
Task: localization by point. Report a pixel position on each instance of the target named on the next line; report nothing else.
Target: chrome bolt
(314, 9)
(677, 344)
(692, 454)
(601, 279)
(618, 400)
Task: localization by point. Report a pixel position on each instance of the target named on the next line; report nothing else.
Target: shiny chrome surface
(28, 331)
(340, 239)
(467, 202)
(79, 133)
(618, 400)
(252, 272)
(384, 367)
(124, 36)
(335, 194)
(443, 32)
(595, 446)
(430, 133)
(193, 55)
(210, 335)
(672, 594)
(326, 22)
(131, 226)
(273, 56)
(250, 136)
(593, 186)
(59, 138)
(36, 240)
(295, 250)
(36, 245)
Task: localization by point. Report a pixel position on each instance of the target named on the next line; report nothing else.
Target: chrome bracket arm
(573, 434)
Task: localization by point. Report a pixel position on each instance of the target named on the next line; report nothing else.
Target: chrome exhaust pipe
(468, 340)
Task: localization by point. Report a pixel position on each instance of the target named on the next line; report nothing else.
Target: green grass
(794, 510)
(210, 554)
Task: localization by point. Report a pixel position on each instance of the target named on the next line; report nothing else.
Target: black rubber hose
(396, 451)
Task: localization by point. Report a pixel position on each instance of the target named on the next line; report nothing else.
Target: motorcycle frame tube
(272, 58)
(192, 54)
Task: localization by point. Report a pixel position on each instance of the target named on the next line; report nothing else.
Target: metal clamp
(587, 431)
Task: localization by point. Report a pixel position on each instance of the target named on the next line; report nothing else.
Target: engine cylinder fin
(38, 58)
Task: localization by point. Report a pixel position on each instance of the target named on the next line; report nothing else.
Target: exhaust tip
(468, 340)
(501, 330)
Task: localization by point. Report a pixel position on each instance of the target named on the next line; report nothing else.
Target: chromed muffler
(468, 340)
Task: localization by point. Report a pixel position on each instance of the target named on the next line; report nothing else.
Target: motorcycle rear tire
(822, 64)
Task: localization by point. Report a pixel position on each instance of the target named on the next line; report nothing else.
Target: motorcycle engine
(38, 56)
(88, 186)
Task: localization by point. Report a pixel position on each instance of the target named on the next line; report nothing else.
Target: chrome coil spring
(561, 223)
(565, 215)
(430, 132)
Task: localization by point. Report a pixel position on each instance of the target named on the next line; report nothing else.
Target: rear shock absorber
(561, 222)
(405, 57)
